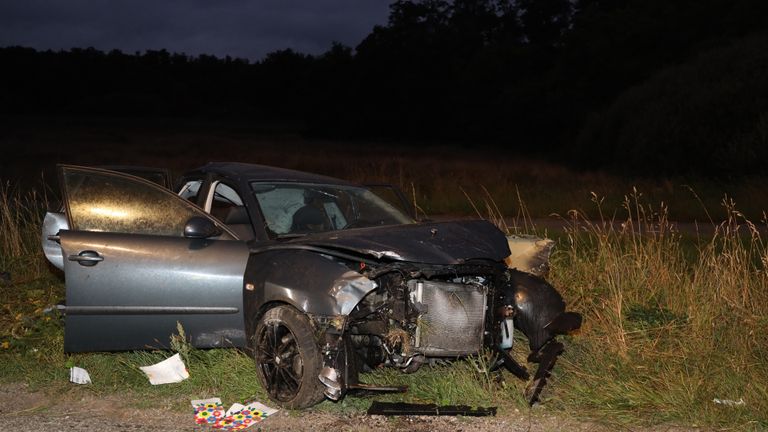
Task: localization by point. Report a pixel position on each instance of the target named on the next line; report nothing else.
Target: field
(672, 320)
(438, 176)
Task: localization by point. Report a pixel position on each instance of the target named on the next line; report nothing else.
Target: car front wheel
(287, 358)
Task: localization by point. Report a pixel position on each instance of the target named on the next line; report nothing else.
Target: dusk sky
(239, 28)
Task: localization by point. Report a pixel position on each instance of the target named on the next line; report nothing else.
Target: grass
(665, 334)
(671, 323)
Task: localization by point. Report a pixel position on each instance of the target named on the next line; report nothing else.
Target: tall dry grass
(666, 331)
(21, 216)
(26, 285)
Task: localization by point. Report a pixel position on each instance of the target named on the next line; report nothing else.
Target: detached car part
(401, 408)
(317, 278)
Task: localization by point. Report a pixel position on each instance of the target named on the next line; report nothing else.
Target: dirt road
(24, 410)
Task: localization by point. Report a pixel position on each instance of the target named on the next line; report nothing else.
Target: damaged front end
(367, 311)
(420, 314)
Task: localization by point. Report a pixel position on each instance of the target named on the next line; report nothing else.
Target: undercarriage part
(370, 349)
(331, 379)
(546, 358)
(511, 364)
(414, 363)
(506, 328)
(339, 368)
(400, 408)
(362, 389)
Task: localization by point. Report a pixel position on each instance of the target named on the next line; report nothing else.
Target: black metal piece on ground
(401, 408)
(546, 357)
(511, 364)
(364, 389)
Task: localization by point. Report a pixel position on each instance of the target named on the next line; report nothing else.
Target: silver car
(317, 278)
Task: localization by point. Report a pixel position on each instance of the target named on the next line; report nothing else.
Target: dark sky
(239, 28)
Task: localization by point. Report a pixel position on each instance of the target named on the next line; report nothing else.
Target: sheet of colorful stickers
(237, 417)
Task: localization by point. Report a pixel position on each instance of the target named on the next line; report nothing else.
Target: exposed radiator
(452, 321)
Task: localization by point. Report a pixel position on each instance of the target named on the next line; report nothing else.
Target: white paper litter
(234, 408)
(196, 402)
(728, 402)
(170, 370)
(79, 375)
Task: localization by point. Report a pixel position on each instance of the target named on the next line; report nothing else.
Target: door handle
(87, 258)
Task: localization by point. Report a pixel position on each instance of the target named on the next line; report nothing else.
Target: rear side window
(191, 190)
(110, 202)
(224, 201)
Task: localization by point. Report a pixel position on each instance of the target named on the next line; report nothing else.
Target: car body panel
(247, 172)
(310, 282)
(430, 243)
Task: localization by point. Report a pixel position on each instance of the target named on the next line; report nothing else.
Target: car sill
(148, 310)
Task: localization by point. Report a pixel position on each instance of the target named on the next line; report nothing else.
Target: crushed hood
(429, 243)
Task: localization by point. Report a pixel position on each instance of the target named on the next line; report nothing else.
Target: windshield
(292, 209)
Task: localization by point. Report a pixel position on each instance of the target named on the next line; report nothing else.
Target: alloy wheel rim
(280, 361)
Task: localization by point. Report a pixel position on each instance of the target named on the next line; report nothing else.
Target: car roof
(253, 172)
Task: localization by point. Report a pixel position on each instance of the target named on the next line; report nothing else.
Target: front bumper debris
(401, 408)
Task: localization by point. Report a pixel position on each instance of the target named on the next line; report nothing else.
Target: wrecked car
(317, 278)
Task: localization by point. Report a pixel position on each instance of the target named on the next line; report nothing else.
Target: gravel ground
(23, 410)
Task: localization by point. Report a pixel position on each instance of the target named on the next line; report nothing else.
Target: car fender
(312, 282)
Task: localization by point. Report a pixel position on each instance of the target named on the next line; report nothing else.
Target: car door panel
(143, 284)
(131, 275)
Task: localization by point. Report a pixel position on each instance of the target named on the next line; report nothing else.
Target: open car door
(138, 258)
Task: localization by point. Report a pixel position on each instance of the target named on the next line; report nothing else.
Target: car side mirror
(198, 227)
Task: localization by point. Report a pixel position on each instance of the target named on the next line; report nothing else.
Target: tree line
(598, 83)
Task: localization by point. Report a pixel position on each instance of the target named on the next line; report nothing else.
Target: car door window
(191, 190)
(111, 202)
(224, 200)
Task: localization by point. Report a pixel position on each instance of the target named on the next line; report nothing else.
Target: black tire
(287, 358)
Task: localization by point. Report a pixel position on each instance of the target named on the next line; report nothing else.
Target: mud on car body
(317, 278)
